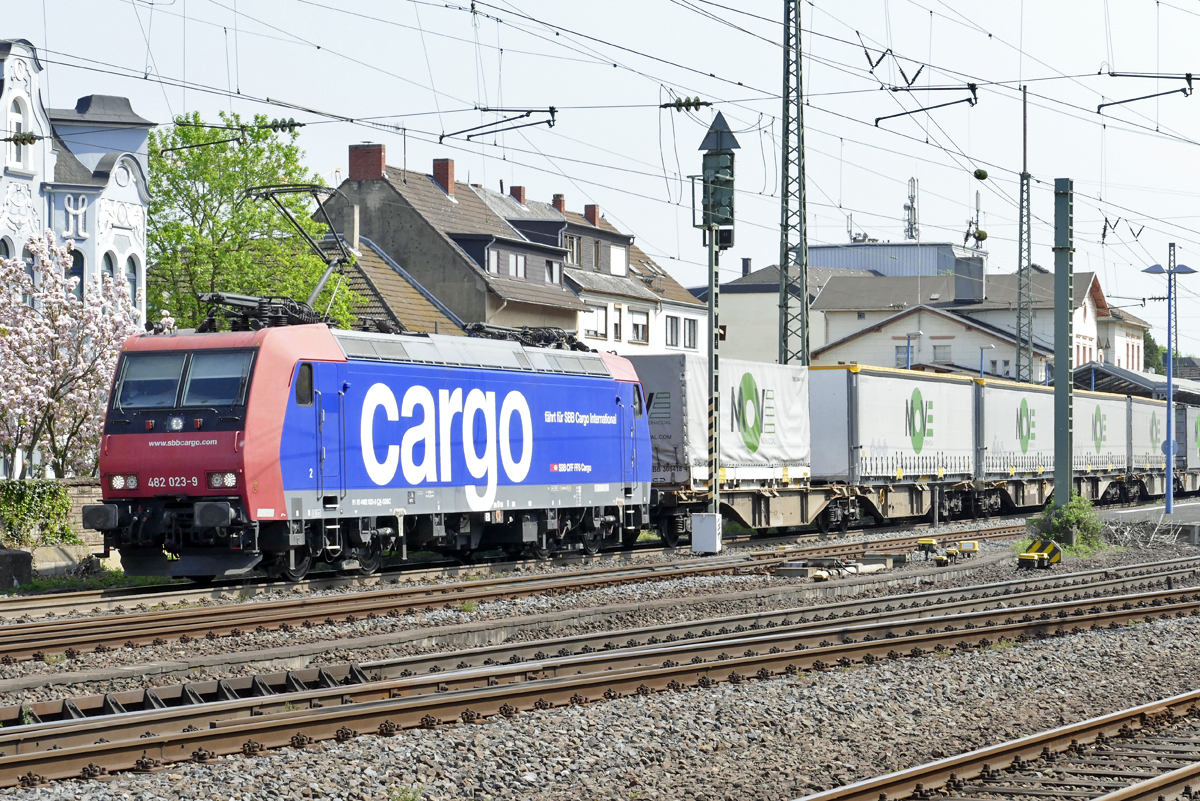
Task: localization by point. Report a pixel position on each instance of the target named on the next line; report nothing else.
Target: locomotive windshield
(150, 380)
(170, 380)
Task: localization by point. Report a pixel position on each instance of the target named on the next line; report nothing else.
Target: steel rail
(910, 608)
(89, 601)
(386, 716)
(1168, 786)
(35, 640)
(477, 693)
(930, 778)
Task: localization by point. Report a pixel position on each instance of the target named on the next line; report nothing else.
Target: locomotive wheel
(303, 565)
(369, 560)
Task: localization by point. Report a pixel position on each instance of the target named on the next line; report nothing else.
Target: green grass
(468, 606)
(105, 580)
(405, 794)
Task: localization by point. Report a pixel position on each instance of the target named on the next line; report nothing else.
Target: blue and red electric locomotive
(274, 448)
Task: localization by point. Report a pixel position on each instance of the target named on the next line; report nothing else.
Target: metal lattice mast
(793, 240)
(1024, 263)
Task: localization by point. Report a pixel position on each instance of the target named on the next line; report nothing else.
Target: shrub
(35, 513)
(1057, 523)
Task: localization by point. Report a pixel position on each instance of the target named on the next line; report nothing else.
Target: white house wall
(100, 218)
(751, 321)
(657, 326)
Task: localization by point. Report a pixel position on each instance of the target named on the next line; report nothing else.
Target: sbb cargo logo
(918, 420)
(434, 435)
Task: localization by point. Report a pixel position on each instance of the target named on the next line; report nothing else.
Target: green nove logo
(1155, 428)
(753, 412)
(918, 420)
(1025, 425)
(1098, 429)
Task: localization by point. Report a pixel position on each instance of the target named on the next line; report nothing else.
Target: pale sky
(424, 66)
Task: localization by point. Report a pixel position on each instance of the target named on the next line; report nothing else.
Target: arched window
(131, 275)
(5, 249)
(17, 123)
(110, 265)
(27, 257)
(76, 274)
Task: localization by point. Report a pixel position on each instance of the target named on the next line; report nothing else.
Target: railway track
(919, 606)
(339, 705)
(1147, 753)
(99, 601)
(71, 636)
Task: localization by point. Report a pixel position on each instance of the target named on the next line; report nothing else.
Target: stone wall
(83, 491)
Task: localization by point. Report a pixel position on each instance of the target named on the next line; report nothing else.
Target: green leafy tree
(205, 235)
(1153, 354)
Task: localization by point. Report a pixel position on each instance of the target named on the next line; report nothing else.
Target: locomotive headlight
(175, 423)
(222, 480)
(120, 482)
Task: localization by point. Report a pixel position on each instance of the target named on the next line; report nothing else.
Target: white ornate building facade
(85, 177)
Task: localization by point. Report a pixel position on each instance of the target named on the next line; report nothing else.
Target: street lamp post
(1169, 445)
(982, 348)
(908, 348)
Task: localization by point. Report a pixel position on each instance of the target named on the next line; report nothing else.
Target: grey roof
(508, 207)
(1123, 316)
(766, 280)
(609, 284)
(100, 110)
(856, 293)
(468, 215)
(70, 170)
(1110, 378)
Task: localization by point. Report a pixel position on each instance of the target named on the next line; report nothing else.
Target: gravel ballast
(775, 739)
(693, 593)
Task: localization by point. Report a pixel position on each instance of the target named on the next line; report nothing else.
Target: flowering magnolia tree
(59, 344)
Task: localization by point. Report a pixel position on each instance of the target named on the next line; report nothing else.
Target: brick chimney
(560, 203)
(518, 193)
(591, 213)
(443, 173)
(367, 162)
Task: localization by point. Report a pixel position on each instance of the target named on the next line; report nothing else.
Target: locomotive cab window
(218, 378)
(637, 400)
(150, 381)
(304, 385)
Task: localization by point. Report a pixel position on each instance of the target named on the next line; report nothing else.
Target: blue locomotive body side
(382, 436)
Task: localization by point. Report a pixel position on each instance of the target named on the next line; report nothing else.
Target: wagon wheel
(822, 521)
(668, 534)
(593, 541)
(369, 559)
(539, 553)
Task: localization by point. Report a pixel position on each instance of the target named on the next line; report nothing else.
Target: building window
(994, 367)
(862, 315)
(689, 334)
(27, 257)
(941, 353)
(553, 272)
(110, 265)
(618, 260)
(75, 273)
(6, 250)
(640, 323)
(672, 332)
(595, 323)
(516, 265)
(617, 323)
(1007, 372)
(17, 123)
(902, 355)
(574, 246)
(596, 254)
(131, 276)
(494, 262)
